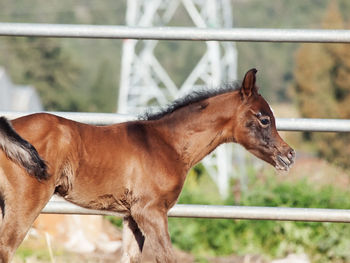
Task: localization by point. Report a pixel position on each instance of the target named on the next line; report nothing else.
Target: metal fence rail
(211, 211)
(283, 124)
(176, 33)
(197, 34)
(226, 212)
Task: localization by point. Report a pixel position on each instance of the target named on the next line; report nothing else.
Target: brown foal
(136, 168)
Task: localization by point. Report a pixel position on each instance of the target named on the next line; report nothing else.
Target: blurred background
(299, 80)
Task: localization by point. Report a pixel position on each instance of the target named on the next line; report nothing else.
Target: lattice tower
(144, 79)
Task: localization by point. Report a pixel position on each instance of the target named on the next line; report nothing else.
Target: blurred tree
(274, 60)
(103, 92)
(64, 70)
(41, 62)
(322, 85)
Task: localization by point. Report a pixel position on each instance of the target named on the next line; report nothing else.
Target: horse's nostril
(291, 154)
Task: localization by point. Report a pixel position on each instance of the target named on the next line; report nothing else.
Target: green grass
(24, 253)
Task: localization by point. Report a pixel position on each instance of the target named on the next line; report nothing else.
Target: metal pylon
(144, 80)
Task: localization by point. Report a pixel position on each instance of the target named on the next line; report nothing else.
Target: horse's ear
(248, 85)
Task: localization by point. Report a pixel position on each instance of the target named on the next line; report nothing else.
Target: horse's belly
(108, 202)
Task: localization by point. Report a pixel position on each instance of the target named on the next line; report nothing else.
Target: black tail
(21, 151)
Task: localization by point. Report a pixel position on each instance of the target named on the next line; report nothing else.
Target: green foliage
(82, 61)
(323, 88)
(117, 221)
(324, 242)
(273, 60)
(28, 252)
(103, 90)
(70, 74)
(44, 64)
(24, 252)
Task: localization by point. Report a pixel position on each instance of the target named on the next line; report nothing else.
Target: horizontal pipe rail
(197, 34)
(176, 33)
(283, 124)
(223, 212)
(313, 125)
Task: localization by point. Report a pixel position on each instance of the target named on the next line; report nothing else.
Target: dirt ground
(37, 248)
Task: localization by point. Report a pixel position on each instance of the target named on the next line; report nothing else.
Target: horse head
(256, 129)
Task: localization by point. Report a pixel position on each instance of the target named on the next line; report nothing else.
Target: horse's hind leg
(15, 224)
(23, 198)
(133, 241)
(11, 235)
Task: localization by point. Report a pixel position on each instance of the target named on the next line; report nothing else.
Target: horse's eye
(265, 121)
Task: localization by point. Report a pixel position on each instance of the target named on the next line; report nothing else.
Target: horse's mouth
(283, 163)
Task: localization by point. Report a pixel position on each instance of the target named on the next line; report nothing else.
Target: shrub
(324, 242)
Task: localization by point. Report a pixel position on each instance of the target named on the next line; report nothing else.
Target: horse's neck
(194, 133)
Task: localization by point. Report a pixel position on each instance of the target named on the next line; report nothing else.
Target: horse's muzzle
(286, 160)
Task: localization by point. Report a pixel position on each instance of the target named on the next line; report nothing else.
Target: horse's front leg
(153, 222)
(133, 241)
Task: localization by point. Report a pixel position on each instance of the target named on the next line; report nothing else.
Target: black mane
(188, 99)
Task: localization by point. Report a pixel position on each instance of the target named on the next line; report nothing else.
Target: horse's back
(51, 135)
(39, 124)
